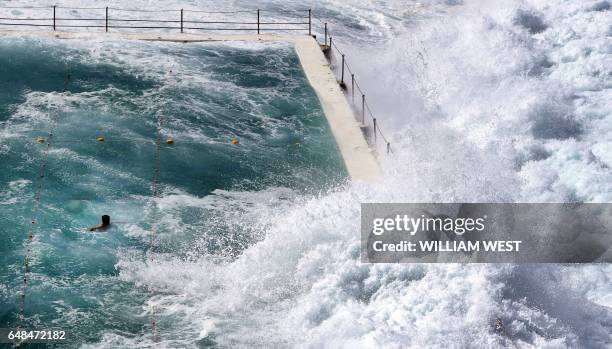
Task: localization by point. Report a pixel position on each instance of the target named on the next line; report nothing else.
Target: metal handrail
(365, 106)
(298, 21)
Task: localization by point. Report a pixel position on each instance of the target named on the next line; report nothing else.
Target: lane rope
(155, 192)
(35, 210)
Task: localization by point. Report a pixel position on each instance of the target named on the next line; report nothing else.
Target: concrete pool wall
(360, 161)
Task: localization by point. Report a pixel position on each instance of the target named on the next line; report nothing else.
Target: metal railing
(109, 18)
(370, 125)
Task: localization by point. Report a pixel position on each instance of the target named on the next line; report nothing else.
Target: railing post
(309, 21)
(388, 147)
(258, 21)
(342, 75)
(181, 20)
(106, 19)
(325, 33)
(353, 87)
(374, 131)
(363, 109)
(54, 17)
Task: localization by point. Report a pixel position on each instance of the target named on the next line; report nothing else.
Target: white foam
(15, 193)
(480, 86)
(470, 90)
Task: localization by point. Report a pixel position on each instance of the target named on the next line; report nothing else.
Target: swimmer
(105, 224)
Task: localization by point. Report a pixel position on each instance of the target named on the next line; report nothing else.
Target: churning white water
(485, 101)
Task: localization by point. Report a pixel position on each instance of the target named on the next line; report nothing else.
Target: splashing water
(503, 102)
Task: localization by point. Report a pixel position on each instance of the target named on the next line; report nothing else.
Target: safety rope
(35, 210)
(155, 194)
(168, 141)
(152, 307)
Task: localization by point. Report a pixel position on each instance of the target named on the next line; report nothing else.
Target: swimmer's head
(105, 220)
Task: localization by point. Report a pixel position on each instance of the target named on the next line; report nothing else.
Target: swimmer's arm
(94, 228)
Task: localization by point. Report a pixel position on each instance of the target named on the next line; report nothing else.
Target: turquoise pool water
(203, 96)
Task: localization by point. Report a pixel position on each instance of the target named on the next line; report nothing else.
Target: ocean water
(505, 101)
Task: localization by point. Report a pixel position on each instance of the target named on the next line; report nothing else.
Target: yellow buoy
(100, 139)
(169, 140)
(235, 141)
(40, 140)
